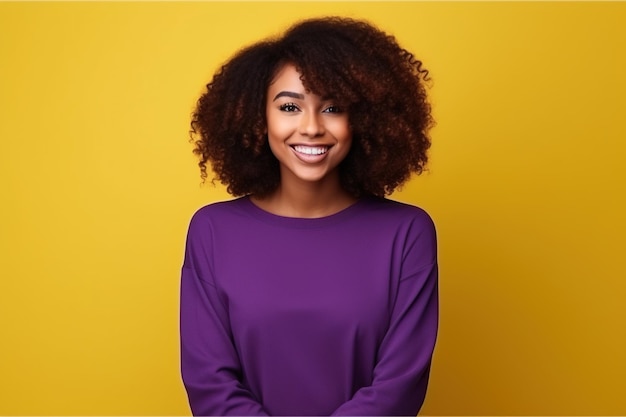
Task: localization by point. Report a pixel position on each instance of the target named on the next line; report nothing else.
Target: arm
(403, 363)
(209, 362)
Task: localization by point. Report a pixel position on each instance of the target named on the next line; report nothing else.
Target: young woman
(310, 293)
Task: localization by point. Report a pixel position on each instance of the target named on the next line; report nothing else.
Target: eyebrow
(289, 94)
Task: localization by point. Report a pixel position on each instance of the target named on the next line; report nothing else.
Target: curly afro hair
(382, 86)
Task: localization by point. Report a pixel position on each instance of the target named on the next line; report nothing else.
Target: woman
(311, 294)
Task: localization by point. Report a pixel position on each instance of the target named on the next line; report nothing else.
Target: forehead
(287, 77)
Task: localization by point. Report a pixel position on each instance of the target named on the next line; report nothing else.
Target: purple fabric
(289, 316)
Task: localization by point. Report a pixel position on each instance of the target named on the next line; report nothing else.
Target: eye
(289, 107)
(333, 109)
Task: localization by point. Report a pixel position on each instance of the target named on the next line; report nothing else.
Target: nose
(311, 124)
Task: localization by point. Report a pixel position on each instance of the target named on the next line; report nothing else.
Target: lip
(310, 158)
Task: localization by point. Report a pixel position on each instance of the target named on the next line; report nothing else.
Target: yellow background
(526, 186)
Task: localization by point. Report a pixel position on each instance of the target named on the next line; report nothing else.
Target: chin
(313, 176)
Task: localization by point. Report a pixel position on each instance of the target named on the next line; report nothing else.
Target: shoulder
(413, 228)
(220, 219)
(214, 222)
(221, 211)
(417, 234)
(399, 213)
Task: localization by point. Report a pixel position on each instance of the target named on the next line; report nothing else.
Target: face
(308, 134)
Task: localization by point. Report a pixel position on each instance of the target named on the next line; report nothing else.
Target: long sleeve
(210, 366)
(293, 316)
(403, 363)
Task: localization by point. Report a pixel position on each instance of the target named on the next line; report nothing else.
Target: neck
(306, 199)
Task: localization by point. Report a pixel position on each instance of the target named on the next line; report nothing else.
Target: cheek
(272, 142)
(277, 144)
(279, 127)
(345, 144)
(344, 134)
(342, 130)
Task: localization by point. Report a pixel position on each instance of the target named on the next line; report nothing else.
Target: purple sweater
(289, 316)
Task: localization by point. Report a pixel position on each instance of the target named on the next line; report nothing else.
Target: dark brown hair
(381, 85)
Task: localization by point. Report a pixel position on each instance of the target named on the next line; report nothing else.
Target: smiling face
(308, 134)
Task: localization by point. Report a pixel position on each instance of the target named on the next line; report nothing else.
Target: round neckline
(302, 222)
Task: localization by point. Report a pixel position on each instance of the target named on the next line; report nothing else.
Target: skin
(310, 136)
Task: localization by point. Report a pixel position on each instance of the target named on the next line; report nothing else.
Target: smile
(311, 150)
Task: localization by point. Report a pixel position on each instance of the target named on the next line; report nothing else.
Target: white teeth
(311, 150)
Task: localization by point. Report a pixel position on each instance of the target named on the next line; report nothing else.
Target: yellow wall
(526, 186)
